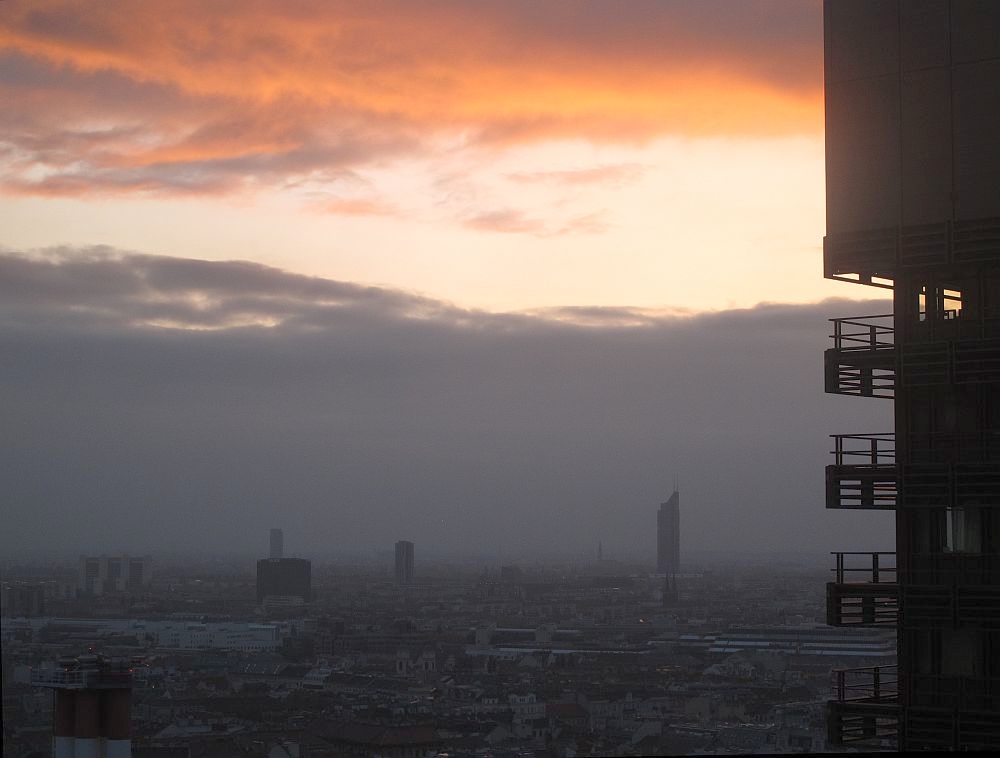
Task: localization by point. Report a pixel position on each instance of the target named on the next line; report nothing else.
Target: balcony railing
(874, 568)
(61, 679)
(865, 706)
(870, 684)
(865, 591)
(863, 332)
(878, 449)
(862, 360)
(98, 672)
(864, 472)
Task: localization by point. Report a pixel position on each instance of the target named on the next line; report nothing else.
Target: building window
(938, 303)
(963, 530)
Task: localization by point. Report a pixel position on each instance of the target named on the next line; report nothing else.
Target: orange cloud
(510, 221)
(211, 96)
(615, 175)
(357, 207)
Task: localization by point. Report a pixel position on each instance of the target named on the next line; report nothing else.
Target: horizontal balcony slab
(862, 604)
(861, 486)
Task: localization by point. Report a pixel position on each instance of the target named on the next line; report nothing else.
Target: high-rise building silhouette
(98, 575)
(913, 206)
(668, 536)
(404, 562)
(280, 580)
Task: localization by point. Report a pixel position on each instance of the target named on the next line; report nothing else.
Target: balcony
(862, 361)
(863, 474)
(865, 706)
(867, 257)
(872, 256)
(865, 591)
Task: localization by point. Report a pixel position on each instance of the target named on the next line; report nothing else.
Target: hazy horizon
(485, 276)
(167, 403)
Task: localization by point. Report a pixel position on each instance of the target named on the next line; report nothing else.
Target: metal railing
(863, 359)
(874, 571)
(86, 672)
(864, 473)
(870, 684)
(80, 680)
(863, 333)
(61, 678)
(878, 449)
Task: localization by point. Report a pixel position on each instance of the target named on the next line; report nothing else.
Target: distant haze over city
(165, 404)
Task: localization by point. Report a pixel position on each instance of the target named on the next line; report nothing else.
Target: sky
(476, 272)
(501, 155)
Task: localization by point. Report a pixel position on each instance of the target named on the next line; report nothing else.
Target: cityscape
(603, 657)
(356, 355)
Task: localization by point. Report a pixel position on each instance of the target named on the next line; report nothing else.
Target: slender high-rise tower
(668, 536)
(913, 207)
(277, 544)
(404, 562)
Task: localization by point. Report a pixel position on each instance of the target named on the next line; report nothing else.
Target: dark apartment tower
(404, 562)
(283, 581)
(668, 536)
(913, 207)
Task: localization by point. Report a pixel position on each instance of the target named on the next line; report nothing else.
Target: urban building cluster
(590, 659)
(116, 573)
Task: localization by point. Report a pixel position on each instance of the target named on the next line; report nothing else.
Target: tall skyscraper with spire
(668, 535)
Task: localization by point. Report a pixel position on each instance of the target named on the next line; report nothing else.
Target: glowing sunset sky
(506, 155)
(466, 272)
